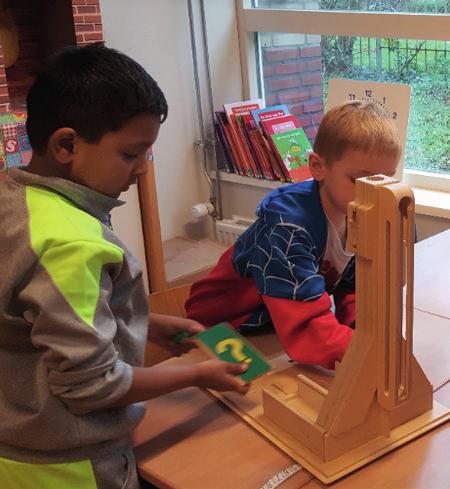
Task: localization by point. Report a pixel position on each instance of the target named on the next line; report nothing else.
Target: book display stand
(379, 397)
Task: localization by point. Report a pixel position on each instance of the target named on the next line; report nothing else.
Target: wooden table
(188, 440)
(432, 275)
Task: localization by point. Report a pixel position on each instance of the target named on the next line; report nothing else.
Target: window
(291, 48)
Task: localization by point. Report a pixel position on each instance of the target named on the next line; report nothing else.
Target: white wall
(224, 51)
(156, 34)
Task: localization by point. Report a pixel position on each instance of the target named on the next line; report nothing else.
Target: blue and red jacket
(273, 273)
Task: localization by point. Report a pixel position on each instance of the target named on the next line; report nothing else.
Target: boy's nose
(142, 167)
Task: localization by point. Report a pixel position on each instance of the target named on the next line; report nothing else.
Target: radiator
(228, 230)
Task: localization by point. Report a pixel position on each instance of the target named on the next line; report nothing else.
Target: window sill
(247, 181)
(432, 202)
(428, 202)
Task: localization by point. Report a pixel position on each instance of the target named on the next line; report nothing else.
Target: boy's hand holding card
(225, 343)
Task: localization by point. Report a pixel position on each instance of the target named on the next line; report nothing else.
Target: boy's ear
(61, 144)
(316, 166)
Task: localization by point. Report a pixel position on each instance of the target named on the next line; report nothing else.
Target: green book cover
(293, 147)
(228, 345)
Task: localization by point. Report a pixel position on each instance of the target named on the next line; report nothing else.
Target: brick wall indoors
(88, 21)
(44, 26)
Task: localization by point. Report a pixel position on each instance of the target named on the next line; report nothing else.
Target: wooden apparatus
(379, 397)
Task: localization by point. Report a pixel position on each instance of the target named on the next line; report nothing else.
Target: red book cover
(225, 145)
(269, 113)
(229, 134)
(254, 133)
(280, 124)
(274, 163)
(234, 112)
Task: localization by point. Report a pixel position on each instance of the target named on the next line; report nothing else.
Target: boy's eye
(130, 156)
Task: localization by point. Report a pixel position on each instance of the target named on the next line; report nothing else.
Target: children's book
(247, 132)
(227, 155)
(292, 148)
(224, 342)
(254, 138)
(279, 170)
(256, 166)
(265, 116)
(228, 131)
(234, 112)
(269, 113)
(279, 124)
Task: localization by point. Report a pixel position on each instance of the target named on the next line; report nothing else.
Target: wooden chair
(198, 255)
(171, 302)
(151, 230)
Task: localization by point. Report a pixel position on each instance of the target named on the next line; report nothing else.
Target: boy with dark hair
(73, 310)
(284, 267)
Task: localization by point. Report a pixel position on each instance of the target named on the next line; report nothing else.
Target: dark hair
(92, 89)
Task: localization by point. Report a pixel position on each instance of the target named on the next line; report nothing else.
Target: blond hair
(359, 126)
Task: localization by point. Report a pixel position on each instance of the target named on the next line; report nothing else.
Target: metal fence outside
(396, 56)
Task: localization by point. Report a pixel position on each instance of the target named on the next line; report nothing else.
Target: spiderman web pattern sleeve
(283, 260)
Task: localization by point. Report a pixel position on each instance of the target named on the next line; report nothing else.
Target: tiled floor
(186, 260)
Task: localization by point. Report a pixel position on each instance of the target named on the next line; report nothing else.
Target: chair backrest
(171, 302)
(151, 230)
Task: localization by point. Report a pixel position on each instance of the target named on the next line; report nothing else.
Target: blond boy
(284, 268)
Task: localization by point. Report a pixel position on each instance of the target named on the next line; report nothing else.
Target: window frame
(401, 25)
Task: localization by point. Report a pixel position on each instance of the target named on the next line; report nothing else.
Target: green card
(227, 344)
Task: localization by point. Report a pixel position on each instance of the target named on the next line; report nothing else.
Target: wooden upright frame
(151, 230)
(379, 397)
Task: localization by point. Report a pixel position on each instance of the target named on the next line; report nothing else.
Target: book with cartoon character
(292, 147)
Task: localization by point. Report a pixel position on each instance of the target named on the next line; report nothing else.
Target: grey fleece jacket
(73, 322)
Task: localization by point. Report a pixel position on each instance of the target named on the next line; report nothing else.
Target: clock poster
(393, 98)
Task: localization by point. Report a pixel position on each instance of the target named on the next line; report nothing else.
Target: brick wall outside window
(292, 69)
(293, 76)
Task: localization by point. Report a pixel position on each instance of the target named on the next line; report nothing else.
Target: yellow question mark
(236, 347)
